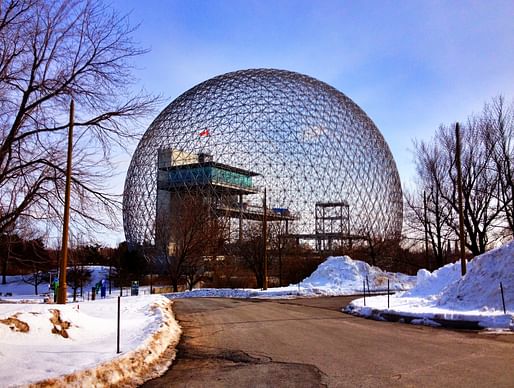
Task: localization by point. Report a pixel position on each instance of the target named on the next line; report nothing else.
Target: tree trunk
(4, 271)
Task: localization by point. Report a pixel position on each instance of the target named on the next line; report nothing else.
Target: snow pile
(431, 284)
(444, 296)
(75, 344)
(341, 275)
(338, 275)
(479, 289)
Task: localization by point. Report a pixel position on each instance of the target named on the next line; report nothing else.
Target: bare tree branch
(52, 52)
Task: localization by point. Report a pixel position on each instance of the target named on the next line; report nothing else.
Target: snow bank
(212, 293)
(479, 289)
(340, 275)
(86, 354)
(444, 295)
(433, 283)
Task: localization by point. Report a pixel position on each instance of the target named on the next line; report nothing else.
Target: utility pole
(62, 293)
(264, 242)
(462, 237)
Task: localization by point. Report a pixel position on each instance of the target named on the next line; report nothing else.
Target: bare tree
(497, 132)
(51, 52)
(187, 238)
(278, 245)
(6, 245)
(481, 183)
(429, 215)
(78, 275)
(37, 260)
(250, 251)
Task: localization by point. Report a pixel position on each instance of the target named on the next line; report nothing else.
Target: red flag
(205, 132)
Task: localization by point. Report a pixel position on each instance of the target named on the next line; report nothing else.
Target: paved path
(310, 343)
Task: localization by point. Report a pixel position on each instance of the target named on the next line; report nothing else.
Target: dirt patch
(15, 324)
(59, 326)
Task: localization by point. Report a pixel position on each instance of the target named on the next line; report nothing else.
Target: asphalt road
(310, 343)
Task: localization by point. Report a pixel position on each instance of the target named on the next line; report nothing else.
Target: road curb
(433, 321)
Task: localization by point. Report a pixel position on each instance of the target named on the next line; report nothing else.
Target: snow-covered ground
(444, 295)
(18, 289)
(76, 344)
(338, 275)
(31, 332)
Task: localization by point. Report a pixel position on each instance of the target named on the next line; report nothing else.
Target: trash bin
(134, 289)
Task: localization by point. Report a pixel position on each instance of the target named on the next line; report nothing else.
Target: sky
(410, 65)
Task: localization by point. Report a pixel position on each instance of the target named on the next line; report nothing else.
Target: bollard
(93, 293)
(364, 287)
(367, 282)
(118, 329)
(503, 298)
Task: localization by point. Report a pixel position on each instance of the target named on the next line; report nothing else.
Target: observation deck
(182, 174)
(207, 174)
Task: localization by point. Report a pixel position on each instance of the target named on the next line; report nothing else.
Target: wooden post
(61, 296)
(364, 290)
(388, 292)
(462, 237)
(503, 298)
(264, 242)
(240, 218)
(118, 327)
(425, 219)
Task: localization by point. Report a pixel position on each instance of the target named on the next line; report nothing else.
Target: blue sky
(410, 65)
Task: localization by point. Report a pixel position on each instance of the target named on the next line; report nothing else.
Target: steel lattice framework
(308, 142)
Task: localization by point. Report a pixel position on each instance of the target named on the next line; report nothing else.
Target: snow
(444, 295)
(21, 290)
(432, 283)
(87, 353)
(340, 275)
(17, 287)
(337, 275)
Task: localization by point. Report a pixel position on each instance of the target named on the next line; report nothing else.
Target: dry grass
(15, 324)
(59, 326)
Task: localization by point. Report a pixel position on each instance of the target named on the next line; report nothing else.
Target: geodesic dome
(308, 143)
